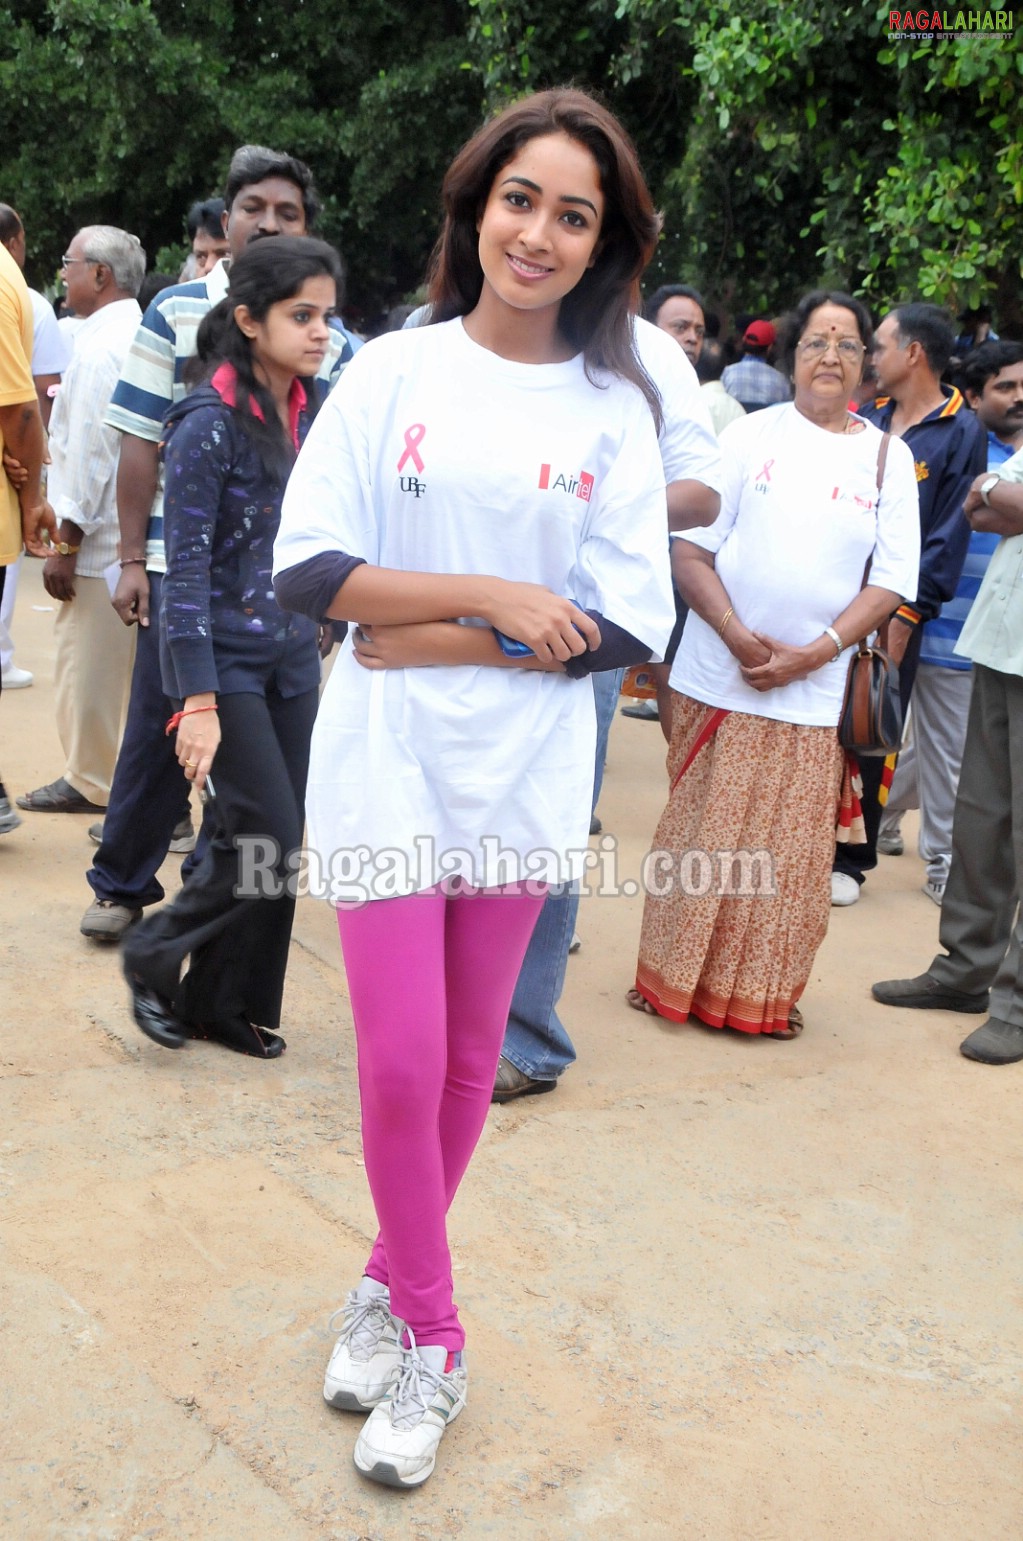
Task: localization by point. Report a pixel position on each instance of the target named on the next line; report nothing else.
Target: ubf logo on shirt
(581, 485)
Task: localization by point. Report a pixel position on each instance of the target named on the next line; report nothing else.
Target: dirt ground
(714, 1288)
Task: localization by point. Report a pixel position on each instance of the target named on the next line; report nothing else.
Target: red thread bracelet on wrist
(172, 722)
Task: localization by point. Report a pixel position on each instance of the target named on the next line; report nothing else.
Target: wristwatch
(61, 548)
(988, 485)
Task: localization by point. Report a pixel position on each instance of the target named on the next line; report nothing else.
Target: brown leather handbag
(871, 720)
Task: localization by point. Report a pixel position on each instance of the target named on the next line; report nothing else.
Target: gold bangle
(725, 620)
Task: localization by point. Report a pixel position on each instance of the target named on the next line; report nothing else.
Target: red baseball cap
(761, 334)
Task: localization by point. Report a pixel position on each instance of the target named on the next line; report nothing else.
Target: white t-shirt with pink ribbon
(433, 454)
(799, 517)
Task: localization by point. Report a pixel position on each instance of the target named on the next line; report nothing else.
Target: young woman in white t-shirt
(499, 468)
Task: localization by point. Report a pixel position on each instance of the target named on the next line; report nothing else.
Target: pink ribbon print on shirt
(414, 436)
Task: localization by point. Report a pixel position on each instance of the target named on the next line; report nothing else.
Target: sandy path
(713, 1287)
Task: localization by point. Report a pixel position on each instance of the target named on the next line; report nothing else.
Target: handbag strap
(882, 461)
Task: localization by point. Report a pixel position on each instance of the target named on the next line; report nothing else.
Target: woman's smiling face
(541, 224)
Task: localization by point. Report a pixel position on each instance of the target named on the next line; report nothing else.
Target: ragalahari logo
(929, 25)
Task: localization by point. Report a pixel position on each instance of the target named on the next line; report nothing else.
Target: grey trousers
(927, 773)
(981, 926)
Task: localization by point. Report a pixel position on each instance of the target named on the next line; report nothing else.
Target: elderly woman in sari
(738, 880)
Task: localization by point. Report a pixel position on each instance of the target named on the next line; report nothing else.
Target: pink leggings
(431, 980)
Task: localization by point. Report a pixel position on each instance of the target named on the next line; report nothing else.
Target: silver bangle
(829, 631)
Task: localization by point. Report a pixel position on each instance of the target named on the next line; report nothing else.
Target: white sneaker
(184, 837)
(367, 1356)
(844, 889)
(398, 1443)
(16, 679)
(934, 888)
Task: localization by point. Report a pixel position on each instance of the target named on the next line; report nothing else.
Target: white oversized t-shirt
(799, 517)
(433, 454)
(689, 445)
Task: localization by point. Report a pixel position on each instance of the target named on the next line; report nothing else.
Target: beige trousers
(95, 653)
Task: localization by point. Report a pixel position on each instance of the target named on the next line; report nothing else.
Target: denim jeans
(535, 1040)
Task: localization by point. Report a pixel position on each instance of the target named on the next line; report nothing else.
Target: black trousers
(149, 794)
(237, 943)
(858, 860)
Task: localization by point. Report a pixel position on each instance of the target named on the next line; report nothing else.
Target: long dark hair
(266, 272)
(595, 316)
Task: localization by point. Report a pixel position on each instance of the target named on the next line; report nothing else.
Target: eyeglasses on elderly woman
(849, 350)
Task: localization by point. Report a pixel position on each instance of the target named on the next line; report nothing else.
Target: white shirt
(687, 438)
(723, 409)
(433, 454)
(799, 518)
(83, 450)
(51, 349)
(689, 447)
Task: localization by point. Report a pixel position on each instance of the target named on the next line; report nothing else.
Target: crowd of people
(492, 512)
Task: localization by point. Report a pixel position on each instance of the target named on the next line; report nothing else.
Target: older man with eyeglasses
(102, 270)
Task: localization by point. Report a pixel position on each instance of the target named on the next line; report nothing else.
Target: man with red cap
(752, 381)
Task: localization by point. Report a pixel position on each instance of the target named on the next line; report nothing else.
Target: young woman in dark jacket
(246, 674)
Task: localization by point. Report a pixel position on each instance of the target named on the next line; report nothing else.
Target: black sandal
(241, 1035)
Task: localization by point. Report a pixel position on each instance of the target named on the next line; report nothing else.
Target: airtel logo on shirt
(581, 485)
(839, 495)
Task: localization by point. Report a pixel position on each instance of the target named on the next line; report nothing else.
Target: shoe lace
(414, 1389)
(360, 1323)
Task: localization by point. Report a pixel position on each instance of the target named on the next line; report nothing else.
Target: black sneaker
(994, 1043)
(924, 993)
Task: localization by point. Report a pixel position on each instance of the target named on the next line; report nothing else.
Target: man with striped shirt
(268, 193)
(927, 774)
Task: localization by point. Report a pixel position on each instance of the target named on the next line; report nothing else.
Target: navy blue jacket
(221, 628)
(949, 448)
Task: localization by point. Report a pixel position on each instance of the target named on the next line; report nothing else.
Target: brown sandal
(794, 1028)
(639, 1002)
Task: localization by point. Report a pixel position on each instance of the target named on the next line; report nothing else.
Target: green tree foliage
(946, 218)
(794, 144)
(785, 144)
(125, 111)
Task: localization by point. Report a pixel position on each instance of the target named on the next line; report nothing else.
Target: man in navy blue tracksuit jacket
(912, 347)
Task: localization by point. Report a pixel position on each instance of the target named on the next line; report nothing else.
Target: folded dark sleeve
(618, 649)
(945, 539)
(309, 587)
